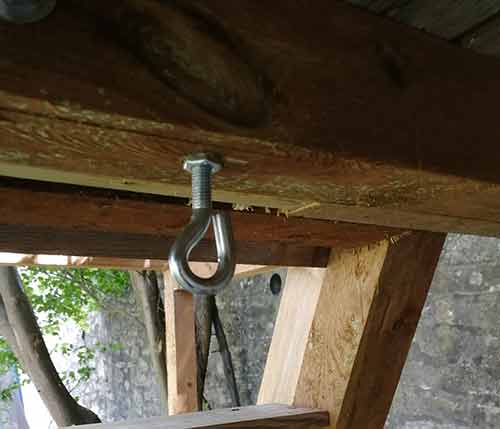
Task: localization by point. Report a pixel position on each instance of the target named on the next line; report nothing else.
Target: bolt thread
(202, 187)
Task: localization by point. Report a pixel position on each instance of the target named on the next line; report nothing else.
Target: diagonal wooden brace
(343, 332)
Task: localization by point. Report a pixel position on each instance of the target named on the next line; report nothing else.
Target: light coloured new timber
(181, 348)
(343, 333)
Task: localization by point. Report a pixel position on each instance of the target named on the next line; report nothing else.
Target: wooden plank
(208, 268)
(378, 6)
(38, 218)
(390, 148)
(137, 246)
(343, 333)
(484, 38)
(23, 259)
(263, 416)
(181, 348)
(445, 18)
(38, 204)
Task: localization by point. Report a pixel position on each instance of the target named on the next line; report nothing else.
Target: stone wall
(452, 376)
(123, 383)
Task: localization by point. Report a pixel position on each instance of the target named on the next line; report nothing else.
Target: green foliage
(58, 296)
(7, 358)
(86, 358)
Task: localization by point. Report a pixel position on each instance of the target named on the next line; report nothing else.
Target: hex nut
(214, 160)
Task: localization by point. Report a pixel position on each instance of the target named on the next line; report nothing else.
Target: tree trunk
(225, 354)
(28, 345)
(148, 295)
(204, 317)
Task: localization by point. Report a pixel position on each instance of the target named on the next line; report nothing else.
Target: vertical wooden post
(343, 332)
(181, 348)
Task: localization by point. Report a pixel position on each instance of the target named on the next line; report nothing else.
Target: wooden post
(181, 348)
(343, 332)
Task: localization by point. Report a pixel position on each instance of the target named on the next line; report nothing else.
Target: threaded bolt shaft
(202, 186)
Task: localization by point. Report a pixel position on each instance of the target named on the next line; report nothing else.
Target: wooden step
(261, 416)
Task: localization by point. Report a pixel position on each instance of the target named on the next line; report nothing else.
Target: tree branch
(203, 325)
(146, 290)
(226, 355)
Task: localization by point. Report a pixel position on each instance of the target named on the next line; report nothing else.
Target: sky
(37, 415)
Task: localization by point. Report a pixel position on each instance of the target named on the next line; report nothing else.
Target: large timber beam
(322, 111)
(38, 218)
(343, 333)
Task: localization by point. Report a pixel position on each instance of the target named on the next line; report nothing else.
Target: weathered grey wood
(485, 38)
(378, 6)
(263, 416)
(445, 18)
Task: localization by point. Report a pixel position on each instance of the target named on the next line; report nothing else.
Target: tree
(22, 332)
(57, 296)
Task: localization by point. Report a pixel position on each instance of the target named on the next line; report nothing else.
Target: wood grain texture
(181, 348)
(55, 241)
(72, 115)
(356, 326)
(261, 417)
(85, 209)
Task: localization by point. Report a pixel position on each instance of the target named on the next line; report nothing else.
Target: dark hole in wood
(275, 284)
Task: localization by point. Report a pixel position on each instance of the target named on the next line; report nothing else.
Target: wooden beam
(206, 268)
(38, 218)
(23, 259)
(376, 134)
(181, 348)
(343, 333)
(264, 416)
(44, 205)
(124, 246)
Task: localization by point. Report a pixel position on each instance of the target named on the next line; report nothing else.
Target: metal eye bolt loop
(202, 168)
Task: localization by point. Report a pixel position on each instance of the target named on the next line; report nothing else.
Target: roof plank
(444, 18)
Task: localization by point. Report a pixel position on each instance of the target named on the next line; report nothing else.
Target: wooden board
(79, 209)
(38, 218)
(348, 116)
(445, 18)
(181, 348)
(343, 333)
(55, 241)
(264, 416)
(54, 261)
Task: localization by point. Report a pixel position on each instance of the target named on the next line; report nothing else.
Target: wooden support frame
(90, 108)
(343, 332)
